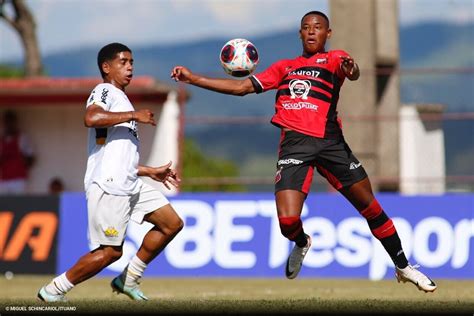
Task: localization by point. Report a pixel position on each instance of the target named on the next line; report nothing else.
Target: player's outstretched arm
(350, 68)
(97, 117)
(226, 86)
(164, 174)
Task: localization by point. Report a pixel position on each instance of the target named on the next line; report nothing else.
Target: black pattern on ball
(252, 53)
(227, 53)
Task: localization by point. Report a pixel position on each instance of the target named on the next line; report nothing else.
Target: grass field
(243, 296)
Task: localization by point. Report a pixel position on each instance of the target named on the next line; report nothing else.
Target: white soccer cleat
(134, 293)
(295, 260)
(411, 274)
(47, 297)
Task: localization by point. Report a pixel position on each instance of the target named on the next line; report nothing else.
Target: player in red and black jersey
(311, 137)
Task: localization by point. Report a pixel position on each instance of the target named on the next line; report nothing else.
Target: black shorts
(299, 154)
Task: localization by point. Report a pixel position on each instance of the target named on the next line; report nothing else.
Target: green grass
(243, 296)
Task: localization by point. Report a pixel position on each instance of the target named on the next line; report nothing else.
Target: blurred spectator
(16, 156)
(56, 186)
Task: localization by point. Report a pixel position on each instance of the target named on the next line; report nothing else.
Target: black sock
(392, 243)
(301, 240)
(393, 246)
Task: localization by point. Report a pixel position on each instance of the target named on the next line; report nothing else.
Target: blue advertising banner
(233, 234)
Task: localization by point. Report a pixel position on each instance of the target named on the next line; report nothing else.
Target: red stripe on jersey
(327, 83)
(308, 92)
(385, 230)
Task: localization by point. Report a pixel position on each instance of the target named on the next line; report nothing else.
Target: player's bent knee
(290, 226)
(178, 225)
(173, 226)
(113, 253)
(114, 258)
(105, 255)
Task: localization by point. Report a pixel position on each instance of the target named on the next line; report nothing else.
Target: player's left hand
(350, 68)
(347, 64)
(166, 175)
(180, 73)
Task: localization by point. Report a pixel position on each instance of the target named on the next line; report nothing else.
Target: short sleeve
(267, 79)
(101, 96)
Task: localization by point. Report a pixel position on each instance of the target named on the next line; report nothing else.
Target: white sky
(71, 24)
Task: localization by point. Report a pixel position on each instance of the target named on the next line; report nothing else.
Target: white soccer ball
(239, 57)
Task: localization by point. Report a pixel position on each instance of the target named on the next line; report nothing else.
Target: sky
(70, 24)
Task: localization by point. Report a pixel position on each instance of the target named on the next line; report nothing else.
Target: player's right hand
(181, 73)
(144, 116)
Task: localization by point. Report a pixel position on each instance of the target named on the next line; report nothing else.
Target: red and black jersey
(308, 91)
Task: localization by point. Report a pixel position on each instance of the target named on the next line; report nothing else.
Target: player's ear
(329, 33)
(105, 67)
(300, 36)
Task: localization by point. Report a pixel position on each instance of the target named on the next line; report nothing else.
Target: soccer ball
(239, 57)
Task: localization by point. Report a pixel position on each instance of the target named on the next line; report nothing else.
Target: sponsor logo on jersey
(299, 106)
(299, 88)
(308, 73)
(354, 165)
(103, 98)
(289, 161)
(321, 61)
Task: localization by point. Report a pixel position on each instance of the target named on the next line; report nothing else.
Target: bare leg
(93, 262)
(359, 194)
(167, 224)
(289, 202)
(289, 206)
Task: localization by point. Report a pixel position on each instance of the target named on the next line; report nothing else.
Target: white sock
(59, 285)
(134, 271)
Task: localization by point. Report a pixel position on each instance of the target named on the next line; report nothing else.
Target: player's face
(120, 70)
(313, 33)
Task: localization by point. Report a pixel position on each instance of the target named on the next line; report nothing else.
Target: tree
(10, 72)
(22, 20)
(197, 165)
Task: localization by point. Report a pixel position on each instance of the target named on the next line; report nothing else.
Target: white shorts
(109, 214)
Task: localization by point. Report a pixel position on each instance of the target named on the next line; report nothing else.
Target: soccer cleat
(46, 297)
(134, 293)
(295, 260)
(411, 274)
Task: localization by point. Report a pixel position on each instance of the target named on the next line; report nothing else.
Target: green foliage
(196, 165)
(7, 71)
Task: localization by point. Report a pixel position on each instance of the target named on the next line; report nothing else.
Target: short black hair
(316, 13)
(108, 52)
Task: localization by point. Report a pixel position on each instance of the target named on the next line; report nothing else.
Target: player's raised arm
(97, 117)
(226, 86)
